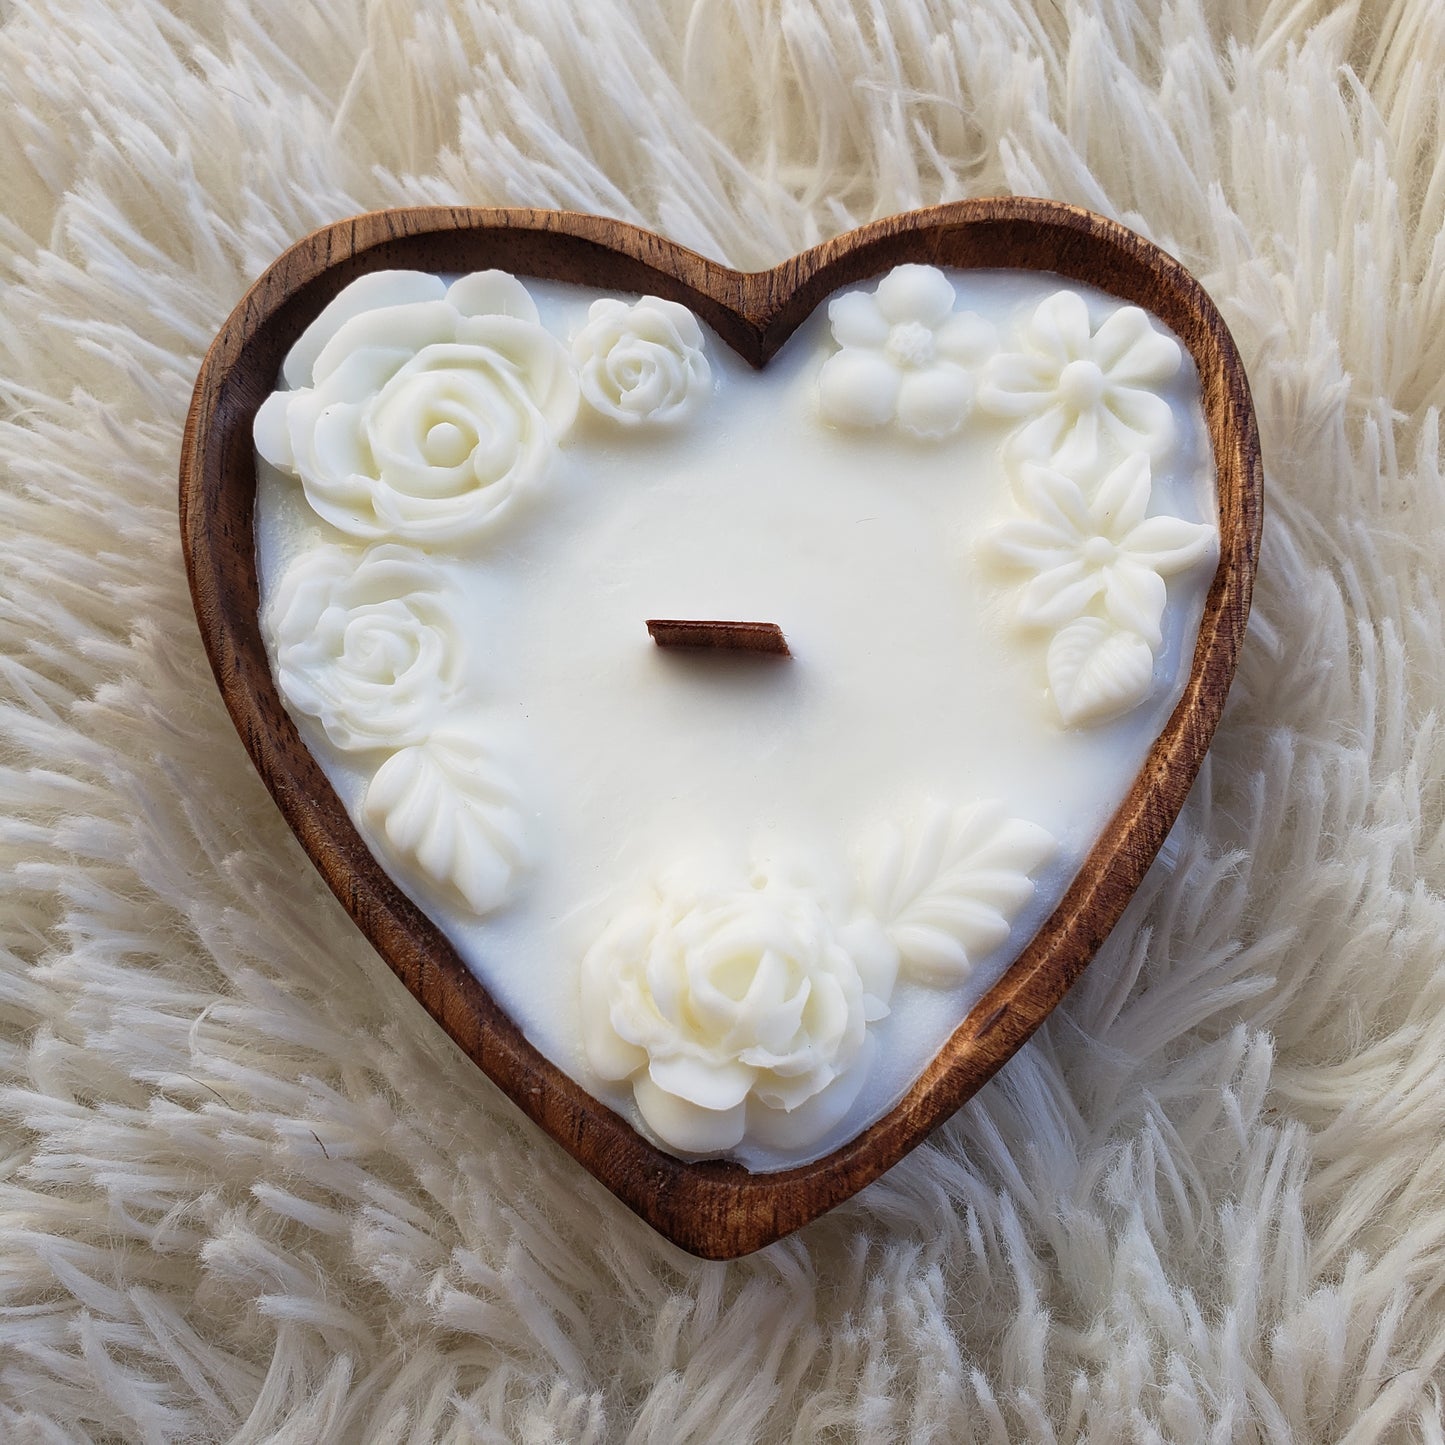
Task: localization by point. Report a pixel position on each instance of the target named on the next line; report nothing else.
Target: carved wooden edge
(714, 1209)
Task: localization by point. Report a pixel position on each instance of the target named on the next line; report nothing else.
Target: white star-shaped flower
(1079, 549)
(1079, 392)
(906, 355)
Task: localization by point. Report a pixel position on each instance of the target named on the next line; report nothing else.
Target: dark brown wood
(698, 636)
(717, 1210)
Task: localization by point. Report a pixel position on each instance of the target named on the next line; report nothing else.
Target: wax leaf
(448, 810)
(1098, 670)
(948, 890)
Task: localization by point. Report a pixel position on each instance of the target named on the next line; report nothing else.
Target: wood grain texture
(698, 635)
(717, 1210)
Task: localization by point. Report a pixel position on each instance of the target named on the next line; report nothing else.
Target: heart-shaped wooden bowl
(718, 1210)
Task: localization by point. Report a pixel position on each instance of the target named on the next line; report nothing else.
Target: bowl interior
(714, 1209)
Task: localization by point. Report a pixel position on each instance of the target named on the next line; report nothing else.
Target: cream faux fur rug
(249, 1193)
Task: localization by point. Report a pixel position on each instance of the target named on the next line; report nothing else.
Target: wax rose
(368, 644)
(642, 363)
(422, 411)
(734, 1008)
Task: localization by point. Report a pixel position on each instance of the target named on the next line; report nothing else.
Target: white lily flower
(1081, 392)
(1080, 548)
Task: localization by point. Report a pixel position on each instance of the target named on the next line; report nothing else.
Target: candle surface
(743, 900)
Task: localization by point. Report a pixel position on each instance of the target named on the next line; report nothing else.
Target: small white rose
(734, 1011)
(371, 648)
(421, 411)
(641, 363)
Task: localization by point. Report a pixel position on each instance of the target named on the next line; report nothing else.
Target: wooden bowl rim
(714, 1209)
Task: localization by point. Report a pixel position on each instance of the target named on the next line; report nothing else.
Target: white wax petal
(366, 293)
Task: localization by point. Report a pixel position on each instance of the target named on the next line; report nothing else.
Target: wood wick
(719, 636)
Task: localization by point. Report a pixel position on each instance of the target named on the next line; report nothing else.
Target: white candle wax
(911, 678)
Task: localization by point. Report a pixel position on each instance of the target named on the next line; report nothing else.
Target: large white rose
(640, 363)
(421, 411)
(370, 648)
(735, 1010)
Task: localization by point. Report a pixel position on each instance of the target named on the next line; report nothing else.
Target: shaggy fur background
(249, 1193)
